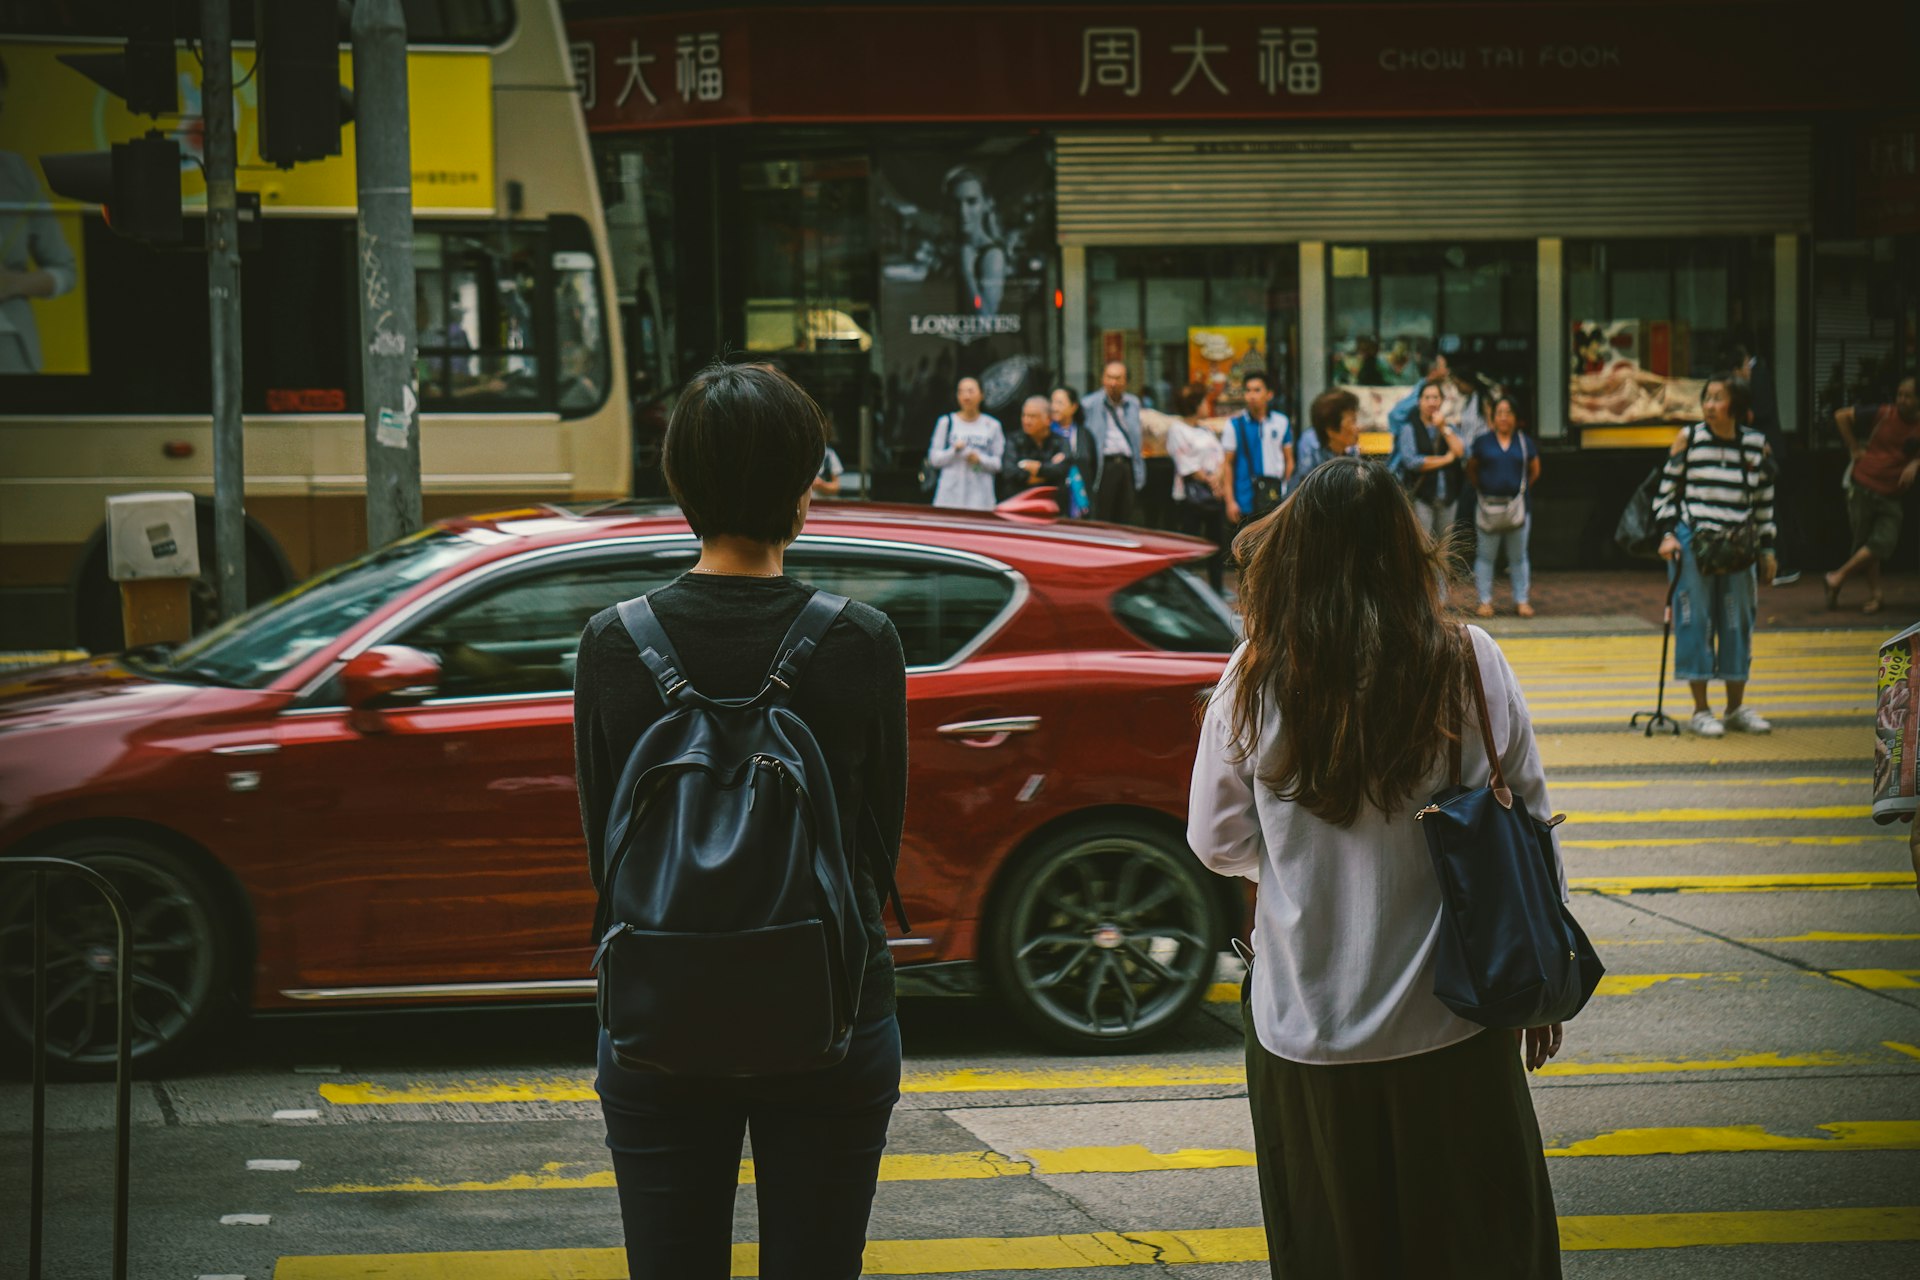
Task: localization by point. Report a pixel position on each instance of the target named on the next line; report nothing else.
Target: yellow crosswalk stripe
(1227, 1073)
(1814, 813)
(1614, 745)
(1773, 883)
(1817, 935)
(1717, 783)
(1633, 984)
(1133, 1248)
(1868, 1135)
(1695, 842)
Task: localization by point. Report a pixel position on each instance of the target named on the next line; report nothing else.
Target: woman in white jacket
(966, 450)
(1393, 1137)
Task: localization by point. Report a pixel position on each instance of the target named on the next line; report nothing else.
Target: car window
(1174, 610)
(254, 648)
(520, 636)
(937, 606)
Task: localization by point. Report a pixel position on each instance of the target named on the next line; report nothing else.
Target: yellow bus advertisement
(49, 108)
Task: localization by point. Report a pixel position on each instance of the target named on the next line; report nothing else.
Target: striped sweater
(1702, 485)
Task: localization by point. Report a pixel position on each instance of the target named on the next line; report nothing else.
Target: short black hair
(1188, 399)
(1739, 395)
(1329, 407)
(1261, 378)
(743, 445)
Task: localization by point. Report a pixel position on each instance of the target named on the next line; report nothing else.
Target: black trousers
(817, 1140)
(1428, 1166)
(1209, 522)
(1113, 501)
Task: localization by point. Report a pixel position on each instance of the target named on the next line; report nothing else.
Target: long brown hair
(1345, 631)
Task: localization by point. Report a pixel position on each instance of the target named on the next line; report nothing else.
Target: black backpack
(731, 942)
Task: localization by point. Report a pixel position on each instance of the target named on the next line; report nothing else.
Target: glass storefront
(1866, 320)
(1649, 320)
(1393, 310)
(1196, 315)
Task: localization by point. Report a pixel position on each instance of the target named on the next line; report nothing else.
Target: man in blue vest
(1259, 454)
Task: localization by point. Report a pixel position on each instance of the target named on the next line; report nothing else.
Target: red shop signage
(987, 63)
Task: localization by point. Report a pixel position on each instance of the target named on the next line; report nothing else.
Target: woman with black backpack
(1715, 513)
(818, 1133)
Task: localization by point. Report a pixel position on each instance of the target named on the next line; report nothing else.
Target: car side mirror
(383, 675)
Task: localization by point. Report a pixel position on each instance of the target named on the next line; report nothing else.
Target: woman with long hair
(817, 1135)
(1392, 1137)
(1070, 420)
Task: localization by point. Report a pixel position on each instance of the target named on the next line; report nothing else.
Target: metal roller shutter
(1479, 183)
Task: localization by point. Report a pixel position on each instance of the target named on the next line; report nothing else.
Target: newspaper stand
(42, 869)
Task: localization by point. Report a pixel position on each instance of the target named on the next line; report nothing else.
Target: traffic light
(302, 105)
(136, 185)
(144, 71)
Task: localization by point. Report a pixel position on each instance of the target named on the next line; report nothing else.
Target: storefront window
(1866, 316)
(1394, 311)
(1211, 316)
(1650, 319)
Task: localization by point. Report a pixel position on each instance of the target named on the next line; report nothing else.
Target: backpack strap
(803, 637)
(656, 651)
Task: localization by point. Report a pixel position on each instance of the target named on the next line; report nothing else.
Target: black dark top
(1050, 452)
(853, 695)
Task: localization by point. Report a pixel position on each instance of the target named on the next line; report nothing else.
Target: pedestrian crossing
(1741, 1096)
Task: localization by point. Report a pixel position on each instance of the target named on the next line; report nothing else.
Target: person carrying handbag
(1502, 465)
(1715, 513)
(1393, 1136)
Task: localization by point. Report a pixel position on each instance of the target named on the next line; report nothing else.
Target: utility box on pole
(388, 337)
(153, 552)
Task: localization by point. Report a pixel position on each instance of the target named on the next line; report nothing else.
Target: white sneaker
(1705, 724)
(1745, 719)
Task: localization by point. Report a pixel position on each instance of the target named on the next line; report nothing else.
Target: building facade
(1593, 211)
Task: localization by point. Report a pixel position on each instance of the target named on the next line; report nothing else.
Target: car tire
(184, 954)
(1104, 937)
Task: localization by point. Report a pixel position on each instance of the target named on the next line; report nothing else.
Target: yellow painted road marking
(1694, 842)
(1134, 1248)
(1776, 883)
(1880, 979)
(1815, 936)
(1869, 1135)
(1024, 1080)
(1718, 784)
(1817, 813)
(1633, 984)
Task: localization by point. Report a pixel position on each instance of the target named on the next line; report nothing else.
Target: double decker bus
(105, 383)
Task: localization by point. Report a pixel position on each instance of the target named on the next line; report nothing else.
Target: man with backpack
(1259, 461)
(740, 745)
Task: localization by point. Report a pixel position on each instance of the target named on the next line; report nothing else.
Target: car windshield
(254, 648)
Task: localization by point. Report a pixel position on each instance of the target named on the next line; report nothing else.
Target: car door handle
(248, 749)
(989, 733)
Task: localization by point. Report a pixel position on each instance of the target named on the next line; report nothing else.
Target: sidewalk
(1571, 602)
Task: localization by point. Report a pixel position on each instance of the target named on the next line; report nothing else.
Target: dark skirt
(1425, 1166)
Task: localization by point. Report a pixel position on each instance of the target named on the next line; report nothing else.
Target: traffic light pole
(387, 325)
(223, 302)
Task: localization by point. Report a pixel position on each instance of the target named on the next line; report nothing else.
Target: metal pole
(223, 302)
(37, 1179)
(387, 325)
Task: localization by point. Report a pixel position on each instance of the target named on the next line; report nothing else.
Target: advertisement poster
(965, 237)
(1624, 372)
(1219, 357)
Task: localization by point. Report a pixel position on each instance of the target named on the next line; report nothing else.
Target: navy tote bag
(1510, 954)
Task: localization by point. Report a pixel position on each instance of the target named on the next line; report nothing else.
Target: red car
(362, 793)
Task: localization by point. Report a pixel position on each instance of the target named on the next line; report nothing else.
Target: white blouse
(1347, 917)
(965, 483)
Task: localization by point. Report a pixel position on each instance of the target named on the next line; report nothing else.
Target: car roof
(1018, 540)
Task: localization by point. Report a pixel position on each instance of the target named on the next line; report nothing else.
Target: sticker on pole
(391, 430)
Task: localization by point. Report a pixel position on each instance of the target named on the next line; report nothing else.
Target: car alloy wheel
(1105, 939)
(180, 956)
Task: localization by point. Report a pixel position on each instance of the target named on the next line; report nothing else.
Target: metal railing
(42, 869)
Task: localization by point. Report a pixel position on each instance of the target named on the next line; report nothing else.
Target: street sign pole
(223, 304)
(387, 332)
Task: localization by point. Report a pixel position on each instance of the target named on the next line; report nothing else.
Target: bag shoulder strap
(656, 650)
(1497, 780)
(803, 637)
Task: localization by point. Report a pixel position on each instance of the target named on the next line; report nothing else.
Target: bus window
(475, 296)
(579, 320)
